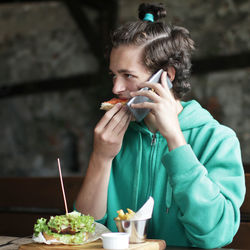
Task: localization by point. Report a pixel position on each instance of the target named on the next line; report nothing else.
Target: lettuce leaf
(40, 226)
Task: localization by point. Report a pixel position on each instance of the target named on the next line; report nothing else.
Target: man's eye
(129, 76)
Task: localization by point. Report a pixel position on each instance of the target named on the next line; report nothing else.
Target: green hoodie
(197, 188)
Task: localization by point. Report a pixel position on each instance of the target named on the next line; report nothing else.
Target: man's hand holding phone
(163, 107)
(140, 114)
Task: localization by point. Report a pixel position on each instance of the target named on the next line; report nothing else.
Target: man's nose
(118, 86)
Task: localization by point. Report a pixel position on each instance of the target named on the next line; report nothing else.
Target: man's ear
(171, 73)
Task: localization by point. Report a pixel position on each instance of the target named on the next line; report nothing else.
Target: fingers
(159, 88)
(108, 116)
(114, 121)
(152, 95)
(164, 84)
(164, 80)
(143, 105)
(119, 120)
(123, 125)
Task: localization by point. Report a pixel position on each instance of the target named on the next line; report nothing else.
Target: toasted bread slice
(111, 103)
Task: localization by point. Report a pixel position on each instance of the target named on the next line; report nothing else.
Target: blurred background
(53, 75)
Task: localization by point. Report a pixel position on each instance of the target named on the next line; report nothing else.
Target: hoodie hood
(192, 111)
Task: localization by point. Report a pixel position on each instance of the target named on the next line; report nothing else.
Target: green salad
(72, 228)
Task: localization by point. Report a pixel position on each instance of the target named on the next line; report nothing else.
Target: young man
(182, 157)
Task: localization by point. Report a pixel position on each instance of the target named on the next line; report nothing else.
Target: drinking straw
(64, 197)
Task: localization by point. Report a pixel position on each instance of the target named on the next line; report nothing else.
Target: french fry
(130, 214)
(123, 216)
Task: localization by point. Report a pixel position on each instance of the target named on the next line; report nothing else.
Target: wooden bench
(23, 200)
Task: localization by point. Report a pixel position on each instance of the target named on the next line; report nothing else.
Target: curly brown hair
(163, 45)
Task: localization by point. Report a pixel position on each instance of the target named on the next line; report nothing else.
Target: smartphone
(140, 114)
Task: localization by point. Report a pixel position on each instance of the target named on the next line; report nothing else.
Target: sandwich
(111, 103)
(72, 228)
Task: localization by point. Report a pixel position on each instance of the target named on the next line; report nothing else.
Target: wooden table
(13, 243)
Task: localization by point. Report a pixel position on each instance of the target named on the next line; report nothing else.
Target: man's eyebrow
(124, 71)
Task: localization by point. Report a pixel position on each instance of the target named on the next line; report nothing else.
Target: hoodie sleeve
(208, 191)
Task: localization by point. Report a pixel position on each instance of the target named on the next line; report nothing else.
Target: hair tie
(149, 17)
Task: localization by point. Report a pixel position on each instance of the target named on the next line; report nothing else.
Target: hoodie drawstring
(169, 194)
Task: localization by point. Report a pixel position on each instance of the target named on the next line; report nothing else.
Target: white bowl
(115, 240)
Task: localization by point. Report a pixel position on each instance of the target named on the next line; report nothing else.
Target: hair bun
(158, 10)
